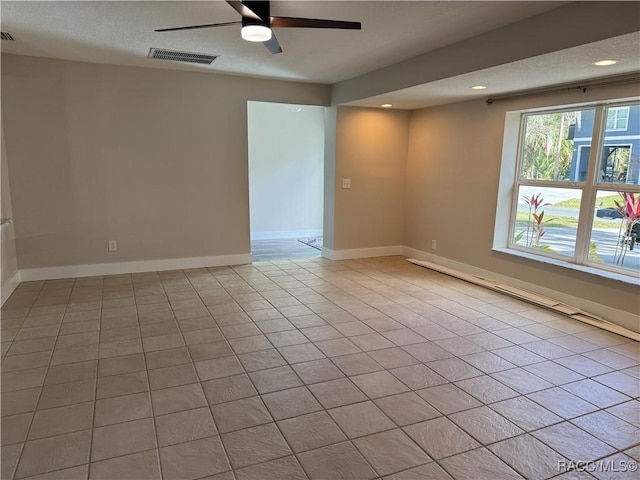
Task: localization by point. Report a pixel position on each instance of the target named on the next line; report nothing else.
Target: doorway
(286, 180)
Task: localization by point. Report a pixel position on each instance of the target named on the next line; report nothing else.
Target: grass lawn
(604, 202)
(569, 222)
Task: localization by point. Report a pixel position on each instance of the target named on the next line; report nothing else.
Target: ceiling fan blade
(243, 10)
(192, 27)
(272, 45)
(291, 22)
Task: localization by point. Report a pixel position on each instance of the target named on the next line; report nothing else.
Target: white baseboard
(362, 252)
(285, 234)
(50, 273)
(9, 286)
(613, 315)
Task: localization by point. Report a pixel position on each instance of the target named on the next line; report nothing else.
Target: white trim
(584, 230)
(615, 118)
(73, 271)
(578, 162)
(285, 234)
(610, 314)
(610, 138)
(362, 252)
(507, 201)
(581, 267)
(600, 181)
(9, 286)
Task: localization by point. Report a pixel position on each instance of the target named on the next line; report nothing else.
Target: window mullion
(587, 205)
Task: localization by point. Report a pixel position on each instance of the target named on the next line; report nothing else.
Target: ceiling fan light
(256, 33)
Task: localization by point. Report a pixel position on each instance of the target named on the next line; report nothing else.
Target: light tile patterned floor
(308, 368)
(282, 248)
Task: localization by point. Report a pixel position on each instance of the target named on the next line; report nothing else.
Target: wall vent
(6, 36)
(175, 56)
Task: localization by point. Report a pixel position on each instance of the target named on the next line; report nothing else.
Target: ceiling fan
(257, 23)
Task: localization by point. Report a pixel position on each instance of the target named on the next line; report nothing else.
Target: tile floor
(308, 368)
(282, 248)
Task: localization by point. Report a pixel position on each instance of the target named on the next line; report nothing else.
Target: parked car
(608, 213)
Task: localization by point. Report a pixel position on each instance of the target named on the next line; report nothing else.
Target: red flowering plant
(629, 208)
(535, 224)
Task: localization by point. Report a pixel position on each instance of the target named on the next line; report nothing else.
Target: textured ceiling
(561, 67)
(121, 33)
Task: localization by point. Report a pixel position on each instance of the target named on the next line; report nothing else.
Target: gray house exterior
(621, 156)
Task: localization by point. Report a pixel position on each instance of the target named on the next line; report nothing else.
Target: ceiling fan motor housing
(262, 9)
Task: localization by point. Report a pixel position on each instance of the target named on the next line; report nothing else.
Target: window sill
(628, 279)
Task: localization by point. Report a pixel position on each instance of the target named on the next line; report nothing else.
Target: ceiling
(122, 32)
(557, 68)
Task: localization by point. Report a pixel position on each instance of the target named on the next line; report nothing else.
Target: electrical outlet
(434, 245)
(346, 183)
(113, 245)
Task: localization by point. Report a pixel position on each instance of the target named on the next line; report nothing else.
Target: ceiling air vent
(175, 56)
(6, 36)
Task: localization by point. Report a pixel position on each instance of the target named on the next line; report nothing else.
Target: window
(617, 118)
(576, 196)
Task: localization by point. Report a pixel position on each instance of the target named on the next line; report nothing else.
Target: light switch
(346, 183)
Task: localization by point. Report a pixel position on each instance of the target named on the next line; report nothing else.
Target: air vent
(175, 56)
(6, 36)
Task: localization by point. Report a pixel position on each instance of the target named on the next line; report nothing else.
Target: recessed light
(605, 63)
(478, 87)
(386, 105)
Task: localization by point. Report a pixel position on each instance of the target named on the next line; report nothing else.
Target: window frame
(587, 189)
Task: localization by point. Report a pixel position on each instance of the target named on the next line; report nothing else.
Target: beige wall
(452, 177)
(157, 160)
(371, 150)
(9, 265)
(154, 159)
